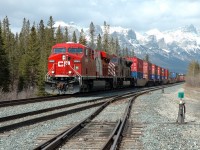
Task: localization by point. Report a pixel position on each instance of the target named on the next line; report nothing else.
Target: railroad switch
(182, 109)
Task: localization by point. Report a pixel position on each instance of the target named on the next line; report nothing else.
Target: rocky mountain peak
(191, 28)
(172, 49)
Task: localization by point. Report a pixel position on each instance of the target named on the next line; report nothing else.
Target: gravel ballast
(158, 112)
(22, 138)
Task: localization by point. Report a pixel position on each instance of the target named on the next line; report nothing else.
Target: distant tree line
(23, 55)
(193, 74)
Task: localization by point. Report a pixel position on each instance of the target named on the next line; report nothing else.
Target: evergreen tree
(126, 52)
(42, 69)
(41, 38)
(123, 52)
(66, 35)
(74, 39)
(147, 58)
(4, 63)
(132, 53)
(117, 47)
(23, 37)
(82, 39)
(106, 37)
(33, 58)
(92, 30)
(50, 40)
(23, 46)
(99, 42)
(59, 35)
(6, 34)
(9, 41)
(112, 47)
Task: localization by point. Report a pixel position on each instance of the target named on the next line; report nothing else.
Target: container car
(137, 71)
(73, 68)
(173, 76)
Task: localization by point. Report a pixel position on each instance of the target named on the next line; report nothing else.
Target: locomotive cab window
(59, 50)
(75, 50)
(114, 60)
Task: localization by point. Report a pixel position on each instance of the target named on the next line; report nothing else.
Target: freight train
(73, 68)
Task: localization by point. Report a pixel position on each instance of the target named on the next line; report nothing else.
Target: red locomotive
(73, 68)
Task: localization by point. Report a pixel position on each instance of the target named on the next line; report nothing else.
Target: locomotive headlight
(63, 57)
(52, 71)
(76, 67)
(70, 72)
(51, 61)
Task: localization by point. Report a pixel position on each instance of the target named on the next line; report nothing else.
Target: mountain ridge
(172, 49)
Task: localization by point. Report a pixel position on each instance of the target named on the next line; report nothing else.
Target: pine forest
(23, 55)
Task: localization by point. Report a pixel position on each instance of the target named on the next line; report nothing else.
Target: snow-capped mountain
(172, 49)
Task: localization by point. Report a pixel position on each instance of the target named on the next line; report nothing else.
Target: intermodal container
(137, 65)
(162, 73)
(154, 72)
(147, 70)
(159, 72)
(166, 74)
(137, 75)
(173, 75)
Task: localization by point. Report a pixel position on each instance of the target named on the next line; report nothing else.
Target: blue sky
(140, 15)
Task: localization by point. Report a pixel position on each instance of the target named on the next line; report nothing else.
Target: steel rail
(114, 141)
(56, 115)
(18, 116)
(66, 135)
(6, 103)
(48, 117)
(45, 118)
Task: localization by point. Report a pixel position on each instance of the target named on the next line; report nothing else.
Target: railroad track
(6, 103)
(18, 116)
(109, 132)
(131, 136)
(13, 124)
(9, 123)
(72, 125)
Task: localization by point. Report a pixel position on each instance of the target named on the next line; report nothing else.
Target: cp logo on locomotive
(63, 63)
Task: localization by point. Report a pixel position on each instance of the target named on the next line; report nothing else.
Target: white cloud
(140, 15)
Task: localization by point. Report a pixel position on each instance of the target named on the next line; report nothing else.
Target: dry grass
(192, 87)
(15, 95)
(192, 92)
(193, 81)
